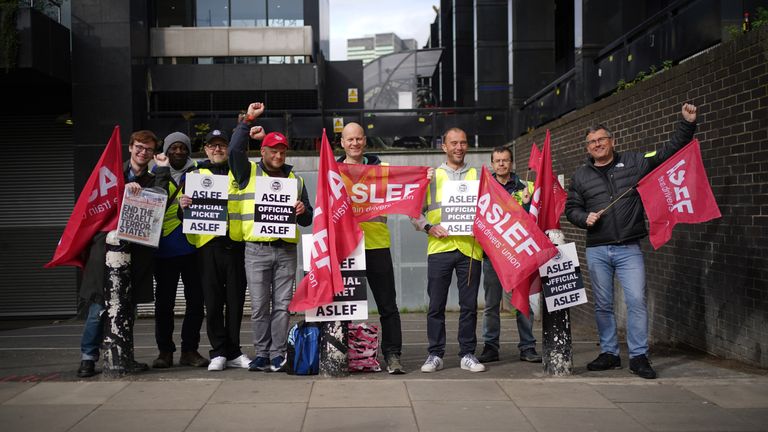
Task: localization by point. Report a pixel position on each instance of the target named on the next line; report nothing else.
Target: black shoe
(136, 367)
(605, 361)
(87, 369)
(530, 355)
(490, 354)
(641, 367)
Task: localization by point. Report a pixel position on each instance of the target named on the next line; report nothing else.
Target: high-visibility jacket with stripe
(465, 244)
(199, 240)
(241, 222)
(171, 219)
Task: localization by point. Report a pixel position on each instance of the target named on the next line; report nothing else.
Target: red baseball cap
(274, 139)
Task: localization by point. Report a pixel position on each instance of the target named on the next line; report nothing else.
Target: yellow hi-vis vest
(465, 244)
(199, 240)
(243, 220)
(171, 219)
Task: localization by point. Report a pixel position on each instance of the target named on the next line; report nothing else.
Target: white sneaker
(433, 364)
(469, 362)
(217, 363)
(241, 362)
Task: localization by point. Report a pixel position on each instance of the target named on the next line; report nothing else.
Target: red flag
(549, 197)
(96, 208)
(377, 190)
(510, 239)
(335, 235)
(535, 158)
(677, 191)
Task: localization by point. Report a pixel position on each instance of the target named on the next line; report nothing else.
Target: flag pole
(600, 213)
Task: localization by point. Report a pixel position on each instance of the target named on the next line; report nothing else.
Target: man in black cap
(175, 257)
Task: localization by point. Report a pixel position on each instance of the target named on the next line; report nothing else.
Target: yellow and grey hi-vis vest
(241, 222)
(171, 219)
(465, 244)
(199, 240)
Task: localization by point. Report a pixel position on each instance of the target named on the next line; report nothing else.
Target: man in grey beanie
(174, 258)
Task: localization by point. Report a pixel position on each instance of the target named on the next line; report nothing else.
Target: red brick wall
(707, 287)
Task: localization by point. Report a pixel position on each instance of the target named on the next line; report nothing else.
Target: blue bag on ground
(303, 349)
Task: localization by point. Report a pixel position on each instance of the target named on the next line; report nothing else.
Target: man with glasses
(142, 146)
(613, 235)
(501, 162)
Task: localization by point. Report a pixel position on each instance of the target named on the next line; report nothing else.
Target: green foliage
(642, 76)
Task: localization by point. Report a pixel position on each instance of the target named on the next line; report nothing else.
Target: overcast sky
(409, 19)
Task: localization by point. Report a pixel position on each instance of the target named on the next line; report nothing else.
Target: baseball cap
(274, 139)
(216, 134)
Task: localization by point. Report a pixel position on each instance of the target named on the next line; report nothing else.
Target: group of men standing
(215, 270)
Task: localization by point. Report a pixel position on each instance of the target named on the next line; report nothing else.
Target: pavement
(39, 391)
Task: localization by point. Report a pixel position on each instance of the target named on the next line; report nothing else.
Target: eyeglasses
(142, 149)
(601, 140)
(216, 145)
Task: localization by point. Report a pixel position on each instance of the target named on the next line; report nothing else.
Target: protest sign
(352, 302)
(141, 216)
(275, 214)
(561, 280)
(459, 199)
(377, 190)
(208, 212)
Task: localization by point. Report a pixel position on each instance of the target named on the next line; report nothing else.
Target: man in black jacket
(613, 235)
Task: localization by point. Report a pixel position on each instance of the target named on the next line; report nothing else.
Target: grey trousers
(270, 271)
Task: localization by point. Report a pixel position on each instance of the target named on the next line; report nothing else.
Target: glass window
(249, 13)
(213, 13)
(285, 13)
(174, 13)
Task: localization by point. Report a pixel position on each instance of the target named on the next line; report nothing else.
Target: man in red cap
(270, 262)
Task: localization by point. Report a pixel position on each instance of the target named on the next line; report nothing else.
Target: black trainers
(641, 367)
(530, 355)
(490, 354)
(136, 367)
(87, 369)
(393, 364)
(605, 361)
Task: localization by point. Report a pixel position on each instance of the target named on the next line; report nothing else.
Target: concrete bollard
(118, 334)
(334, 358)
(556, 331)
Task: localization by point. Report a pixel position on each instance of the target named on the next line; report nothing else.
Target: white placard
(561, 281)
(208, 212)
(458, 206)
(275, 214)
(350, 304)
(141, 217)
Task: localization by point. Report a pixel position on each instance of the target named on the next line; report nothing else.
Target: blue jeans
(491, 319)
(93, 333)
(626, 263)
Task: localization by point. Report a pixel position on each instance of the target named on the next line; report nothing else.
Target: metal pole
(556, 331)
(118, 334)
(334, 359)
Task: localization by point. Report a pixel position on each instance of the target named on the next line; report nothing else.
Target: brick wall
(707, 287)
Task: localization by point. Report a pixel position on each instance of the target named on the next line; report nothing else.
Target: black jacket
(591, 191)
(142, 257)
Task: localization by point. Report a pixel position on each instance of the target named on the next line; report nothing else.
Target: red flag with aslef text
(533, 160)
(96, 208)
(335, 235)
(677, 191)
(549, 197)
(377, 190)
(510, 238)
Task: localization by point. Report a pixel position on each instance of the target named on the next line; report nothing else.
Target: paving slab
(281, 417)
(757, 417)
(739, 395)
(360, 419)
(650, 392)
(121, 420)
(698, 417)
(581, 419)
(470, 415)
(9, 390)
(258, 391)
(60, 393)
(170, 395)
(545, 393)
(348, 393)
(485, 390)
(48, 418)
